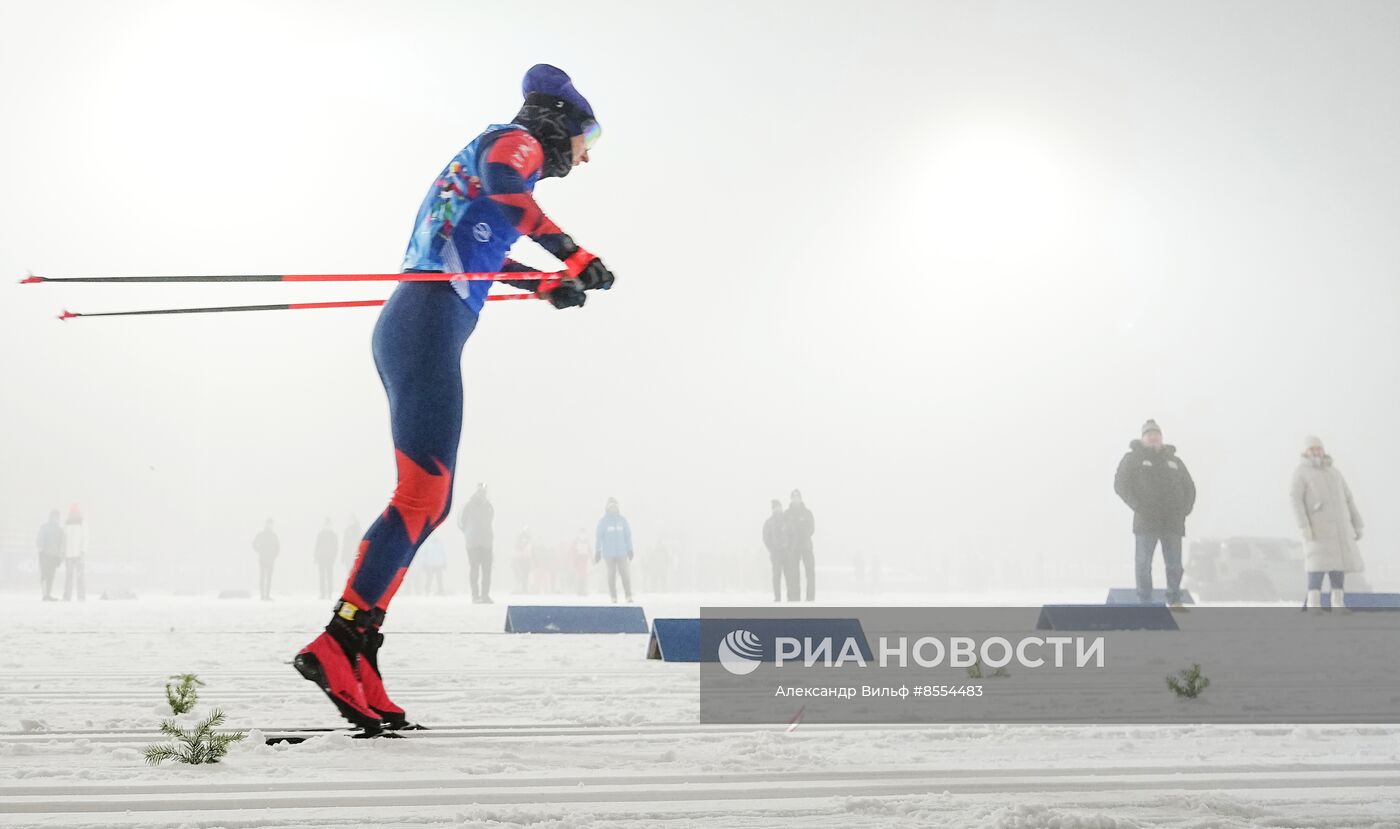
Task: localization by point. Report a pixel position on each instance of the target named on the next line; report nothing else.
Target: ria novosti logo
(740, 652)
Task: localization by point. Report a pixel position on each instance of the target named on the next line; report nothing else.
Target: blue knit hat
(551, 80)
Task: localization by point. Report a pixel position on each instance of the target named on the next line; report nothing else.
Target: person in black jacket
(1156, 485)
(266, 545)
(779, 556)
(800, 527)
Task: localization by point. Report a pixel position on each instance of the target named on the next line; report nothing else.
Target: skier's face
(580, 149)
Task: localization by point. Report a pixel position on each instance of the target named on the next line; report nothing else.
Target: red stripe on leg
(421, 496)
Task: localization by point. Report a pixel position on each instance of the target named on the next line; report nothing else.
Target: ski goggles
(591, 133)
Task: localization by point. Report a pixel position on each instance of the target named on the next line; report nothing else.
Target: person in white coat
(1329, 521)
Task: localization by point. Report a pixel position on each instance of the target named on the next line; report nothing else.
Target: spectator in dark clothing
(1156, 485)
(266, 545)
(800, 526)
(779, 556)
(350, 543)
(326, 548)
(475, 521)
(51, 546)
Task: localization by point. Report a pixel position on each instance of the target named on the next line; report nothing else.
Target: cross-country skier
(480, 204)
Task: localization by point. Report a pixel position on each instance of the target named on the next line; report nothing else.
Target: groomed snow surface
(583, 731)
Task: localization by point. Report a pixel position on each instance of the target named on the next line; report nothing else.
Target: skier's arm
(510, 168)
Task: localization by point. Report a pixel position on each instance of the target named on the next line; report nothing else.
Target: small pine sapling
(1188, 683)
(201, 744)
(183, 695)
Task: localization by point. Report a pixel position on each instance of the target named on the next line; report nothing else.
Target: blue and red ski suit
(477, 207)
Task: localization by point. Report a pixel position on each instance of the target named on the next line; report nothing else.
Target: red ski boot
(330, 662)
(392, 716)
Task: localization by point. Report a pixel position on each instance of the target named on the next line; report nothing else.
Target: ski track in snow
(574, 732)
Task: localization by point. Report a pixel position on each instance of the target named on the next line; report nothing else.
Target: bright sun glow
(999, 196)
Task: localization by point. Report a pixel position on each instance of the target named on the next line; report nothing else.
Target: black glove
(566, 295)
(588, 269)
(596, 276)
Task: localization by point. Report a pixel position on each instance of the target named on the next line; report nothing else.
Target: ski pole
(497, 276)
(284, 306)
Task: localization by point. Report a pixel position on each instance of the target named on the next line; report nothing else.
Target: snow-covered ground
(583, 731)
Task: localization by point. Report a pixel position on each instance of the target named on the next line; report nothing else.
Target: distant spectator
(780, 558)
(1329, 521)
(74, 554)
(326, 548)
(51, 543)
(801, 525)
(432, 558)
(475, 521)
(613, 542)
(350, 543)
(267, 547)
(1156, 485)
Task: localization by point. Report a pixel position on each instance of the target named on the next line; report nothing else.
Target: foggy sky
(932, 263)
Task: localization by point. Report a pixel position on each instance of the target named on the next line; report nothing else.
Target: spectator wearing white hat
(1329, 521)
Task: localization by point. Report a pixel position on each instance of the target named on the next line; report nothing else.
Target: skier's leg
(418, 343)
